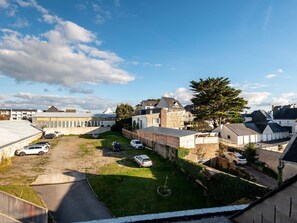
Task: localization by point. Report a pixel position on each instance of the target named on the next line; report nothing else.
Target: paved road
(72, 202)
(261, 178)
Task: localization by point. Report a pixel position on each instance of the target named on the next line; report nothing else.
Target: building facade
(19, 114)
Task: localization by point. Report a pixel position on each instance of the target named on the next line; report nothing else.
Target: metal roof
(62, 115)
(14, 130)
(169, 131)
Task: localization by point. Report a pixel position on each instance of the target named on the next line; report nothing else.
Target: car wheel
(22, 154)
(40, 153)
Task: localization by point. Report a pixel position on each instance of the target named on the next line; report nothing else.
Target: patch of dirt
(66, 155)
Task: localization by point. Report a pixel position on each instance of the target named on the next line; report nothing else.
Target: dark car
(116, 146)
(49, 136)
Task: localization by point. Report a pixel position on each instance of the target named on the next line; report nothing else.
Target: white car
(136, 144)
(58, 133)
(143, 161)
(236, 158)
(32, 150)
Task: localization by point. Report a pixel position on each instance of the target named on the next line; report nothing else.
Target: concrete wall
(9, 150)
(290, 170)
(203, 152)
(78, 130)
(271, 158)
(21, 210)
(225, 132)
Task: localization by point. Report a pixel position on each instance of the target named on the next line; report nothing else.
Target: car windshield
(137, 142)
(241, 157)
(146, 160)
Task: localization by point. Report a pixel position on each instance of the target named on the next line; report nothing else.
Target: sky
(95, 54)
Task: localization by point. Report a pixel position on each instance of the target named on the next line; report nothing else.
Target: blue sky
(91, 55)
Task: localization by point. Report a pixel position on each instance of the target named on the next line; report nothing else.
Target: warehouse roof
(63, 115)
(169, 131)
(14, 130)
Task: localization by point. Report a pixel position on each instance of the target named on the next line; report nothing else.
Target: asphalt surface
(261, 178)
(72, 202)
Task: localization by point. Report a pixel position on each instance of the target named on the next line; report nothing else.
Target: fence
(162, 149)
(19, 210)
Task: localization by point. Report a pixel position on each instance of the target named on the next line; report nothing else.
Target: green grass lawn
(127, 189)
(23, 191)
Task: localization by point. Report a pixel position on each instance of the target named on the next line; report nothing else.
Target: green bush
(222, 189)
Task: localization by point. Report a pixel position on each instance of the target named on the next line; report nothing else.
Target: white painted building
(19, 114)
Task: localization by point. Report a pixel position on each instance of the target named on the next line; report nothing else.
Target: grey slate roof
(172, 103)
(242, 129)
(168, 131)
(149, 103)
(285, 113)
(290, 153)
(12, 131)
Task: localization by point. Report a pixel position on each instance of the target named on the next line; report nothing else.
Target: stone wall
(175, 120)
(203, 152)
(9, 150)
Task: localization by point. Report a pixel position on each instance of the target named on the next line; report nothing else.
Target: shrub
(250, 152)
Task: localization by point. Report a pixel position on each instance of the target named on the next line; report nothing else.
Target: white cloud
(280, 70)
(29, 100)
(284, 99)
(60, 57)
(20, 23)
(269, 76)
(3, 4)
(183, 95)
(256, 98)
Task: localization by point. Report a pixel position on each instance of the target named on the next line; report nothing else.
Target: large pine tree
(215, 100)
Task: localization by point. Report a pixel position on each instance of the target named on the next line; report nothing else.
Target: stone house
(167, 113)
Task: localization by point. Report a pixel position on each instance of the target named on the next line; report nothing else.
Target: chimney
(163, 121)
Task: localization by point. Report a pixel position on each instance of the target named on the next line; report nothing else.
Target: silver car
(143, 161)
(32, 150)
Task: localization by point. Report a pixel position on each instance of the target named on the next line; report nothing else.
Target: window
(229, 137)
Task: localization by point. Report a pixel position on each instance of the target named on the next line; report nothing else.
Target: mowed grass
(24, 192)
(127, 189)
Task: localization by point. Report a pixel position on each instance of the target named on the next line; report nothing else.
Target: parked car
(136, 144)
(143, 161)
(116, 146)
(32, 150)
(58, 133)
(49, 136)
(44, 143)
(236, 158)
(95, 135)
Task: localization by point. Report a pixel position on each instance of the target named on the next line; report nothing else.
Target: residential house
(15, 134)
(286, 116)
(289, 159)
(168, 112)
(19, 114)
(260, 129)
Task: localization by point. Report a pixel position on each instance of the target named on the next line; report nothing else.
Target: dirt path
(69, 153)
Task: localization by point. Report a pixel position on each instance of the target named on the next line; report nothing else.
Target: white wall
(9, 150)
(287, 122)
(78, 130)
(139, 118)
(187, 141)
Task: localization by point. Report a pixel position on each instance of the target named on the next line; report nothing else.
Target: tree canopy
(124, 113)
(215, 100)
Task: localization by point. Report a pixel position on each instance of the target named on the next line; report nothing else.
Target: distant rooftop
(290, 153)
